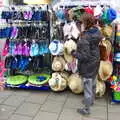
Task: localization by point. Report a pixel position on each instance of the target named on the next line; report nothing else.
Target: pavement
(16, 104)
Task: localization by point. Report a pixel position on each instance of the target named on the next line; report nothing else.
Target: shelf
(116, 62)
(26, 86)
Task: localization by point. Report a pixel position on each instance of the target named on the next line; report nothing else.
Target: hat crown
(105, 70)
(57, 64)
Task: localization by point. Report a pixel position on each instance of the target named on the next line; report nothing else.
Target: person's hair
(88, 20)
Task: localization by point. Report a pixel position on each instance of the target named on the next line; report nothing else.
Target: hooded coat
(88, 53)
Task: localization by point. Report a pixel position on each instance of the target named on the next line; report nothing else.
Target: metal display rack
(116, 67)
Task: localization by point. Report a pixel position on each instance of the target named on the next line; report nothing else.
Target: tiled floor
(43, 105)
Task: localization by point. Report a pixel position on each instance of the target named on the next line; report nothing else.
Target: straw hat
(57, 83)
(105, 49)
(105, 70)
(70, 45)
(68, 58)
(100, 88)
(71, 14)
(75, 83)
(107, 31)
(65, 75)
(58, 64)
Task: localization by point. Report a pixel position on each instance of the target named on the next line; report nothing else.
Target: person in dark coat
(88, 56)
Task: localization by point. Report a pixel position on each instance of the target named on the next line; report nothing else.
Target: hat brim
(105, 49)
(75, 83)
(100, 88)
(101, 75)
(59, 50)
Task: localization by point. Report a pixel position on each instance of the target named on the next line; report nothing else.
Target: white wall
(115, 3)
(5, 2)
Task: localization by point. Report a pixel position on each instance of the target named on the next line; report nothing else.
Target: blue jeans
(89, 91)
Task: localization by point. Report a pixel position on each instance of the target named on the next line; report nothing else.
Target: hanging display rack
(21, 23)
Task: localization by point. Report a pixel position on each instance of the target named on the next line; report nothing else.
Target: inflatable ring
(34, 79)
(17, 80)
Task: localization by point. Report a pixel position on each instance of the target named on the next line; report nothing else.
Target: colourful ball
(114, 77)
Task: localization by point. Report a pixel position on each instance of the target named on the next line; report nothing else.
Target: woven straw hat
(57, 83)
(100, 88)
(105, 49)
(65, 75)
(68, 58)
(75, 83)
(107, 31)
(69, 46)
(58, 64)
(105, 70)
(71, 14)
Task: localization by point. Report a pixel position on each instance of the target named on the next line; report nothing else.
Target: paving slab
(6, 111)
(1, 100)
(6, 93)
(19, 117)
(114, 108)
(74, 101)
(113, 116)
(98, 112)
(28, 109)
(14, 100)
(58, 97)
(38, 97)
(24, 93)
(52, 106)
(90, 118)
(70, 114)
(101, 101)
(46, 116)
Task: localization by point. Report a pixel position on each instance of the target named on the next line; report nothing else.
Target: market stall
(36, 35)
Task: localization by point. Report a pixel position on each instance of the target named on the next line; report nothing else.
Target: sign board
(37, 1)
